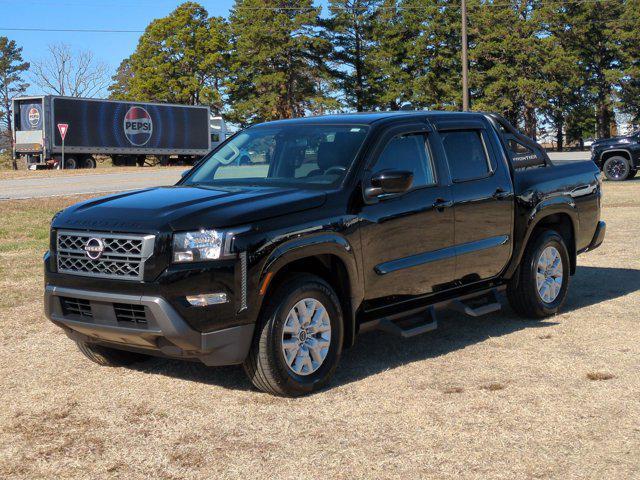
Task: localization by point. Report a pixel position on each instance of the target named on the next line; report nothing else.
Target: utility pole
(465, 61)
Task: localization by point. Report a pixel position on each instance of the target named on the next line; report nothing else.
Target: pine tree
(629, 34)
(590, 31)
(275, 69)
(121, 87)
(507, 58)
(563, 88)
(390, 74)
(348, 29)
(12, 67)
(434, 53)
(181, 58)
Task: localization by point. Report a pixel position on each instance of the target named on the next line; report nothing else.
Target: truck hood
(613, 141)
(186, 208)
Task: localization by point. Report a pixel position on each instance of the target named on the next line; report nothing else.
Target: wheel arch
(559, 214)
(329, 256)
(564, 224)
(617, 152)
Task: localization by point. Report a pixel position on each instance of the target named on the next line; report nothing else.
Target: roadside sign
(62, 128)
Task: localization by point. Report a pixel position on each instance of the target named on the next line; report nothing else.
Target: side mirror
(389, 182)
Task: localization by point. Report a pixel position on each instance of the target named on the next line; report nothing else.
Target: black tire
(632, 173)
(522, 290)
(70, 163)
(266, 366)
(89, 162)
(616, 168)
(109, 357)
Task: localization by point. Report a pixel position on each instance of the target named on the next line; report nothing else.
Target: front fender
(313, 245)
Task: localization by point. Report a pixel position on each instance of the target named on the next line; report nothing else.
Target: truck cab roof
(370, 118)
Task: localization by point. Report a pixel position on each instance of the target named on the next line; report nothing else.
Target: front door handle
(440, 204)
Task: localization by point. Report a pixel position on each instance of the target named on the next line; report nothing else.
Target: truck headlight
(199, 246)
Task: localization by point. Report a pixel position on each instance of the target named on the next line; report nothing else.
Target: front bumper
(159, 330)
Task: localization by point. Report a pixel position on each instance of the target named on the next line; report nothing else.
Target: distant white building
(218, 129)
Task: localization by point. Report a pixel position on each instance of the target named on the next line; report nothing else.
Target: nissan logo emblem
(94, 248)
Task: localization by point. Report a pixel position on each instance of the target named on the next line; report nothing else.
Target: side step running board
(411, 326)
(478, 306)
(426, 320)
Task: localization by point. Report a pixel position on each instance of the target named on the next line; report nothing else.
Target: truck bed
(574, 183)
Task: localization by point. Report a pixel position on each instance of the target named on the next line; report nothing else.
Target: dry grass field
(495, 397)
(101, 169)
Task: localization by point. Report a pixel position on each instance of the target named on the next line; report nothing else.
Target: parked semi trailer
(128, 132)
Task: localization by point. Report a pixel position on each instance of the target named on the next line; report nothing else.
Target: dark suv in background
(618, 157)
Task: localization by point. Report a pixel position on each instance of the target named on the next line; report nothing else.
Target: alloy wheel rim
(306, 336)
(549, 274)
(617, 169)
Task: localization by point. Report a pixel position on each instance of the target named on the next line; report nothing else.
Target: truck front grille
(120, 256)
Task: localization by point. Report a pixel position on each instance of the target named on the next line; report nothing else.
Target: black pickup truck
(618, 157)
(333, 225)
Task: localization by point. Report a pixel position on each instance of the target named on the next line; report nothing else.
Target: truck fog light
(206, 299)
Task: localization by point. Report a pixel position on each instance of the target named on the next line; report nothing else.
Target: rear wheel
(109, 357)
(298, 340)
(89, 162)
(539, 289)
(616, 168)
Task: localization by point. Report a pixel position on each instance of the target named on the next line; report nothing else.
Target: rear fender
(563, 204)
(617, 152)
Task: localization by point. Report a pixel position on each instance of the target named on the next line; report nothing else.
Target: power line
(79, 30)
(399, 8)
(396, 7)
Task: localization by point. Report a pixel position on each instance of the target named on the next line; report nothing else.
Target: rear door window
(467, 155)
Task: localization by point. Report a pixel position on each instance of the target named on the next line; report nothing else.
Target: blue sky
(88, 14)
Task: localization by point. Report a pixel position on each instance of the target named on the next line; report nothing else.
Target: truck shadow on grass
(377, 351)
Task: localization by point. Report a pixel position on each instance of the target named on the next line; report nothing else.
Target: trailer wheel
(69, 164)
(89, 162)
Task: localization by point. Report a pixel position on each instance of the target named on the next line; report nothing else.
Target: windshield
(289, 155)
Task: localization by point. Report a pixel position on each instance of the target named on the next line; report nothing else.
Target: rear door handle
(440, 204)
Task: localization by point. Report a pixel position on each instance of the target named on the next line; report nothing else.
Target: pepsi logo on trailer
(138, 126)
(34, 116)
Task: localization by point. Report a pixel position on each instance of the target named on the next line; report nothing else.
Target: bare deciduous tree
(70, 73)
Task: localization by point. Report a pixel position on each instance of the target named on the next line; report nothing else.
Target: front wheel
(616, 168)
(539, 288)
(298, 339)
